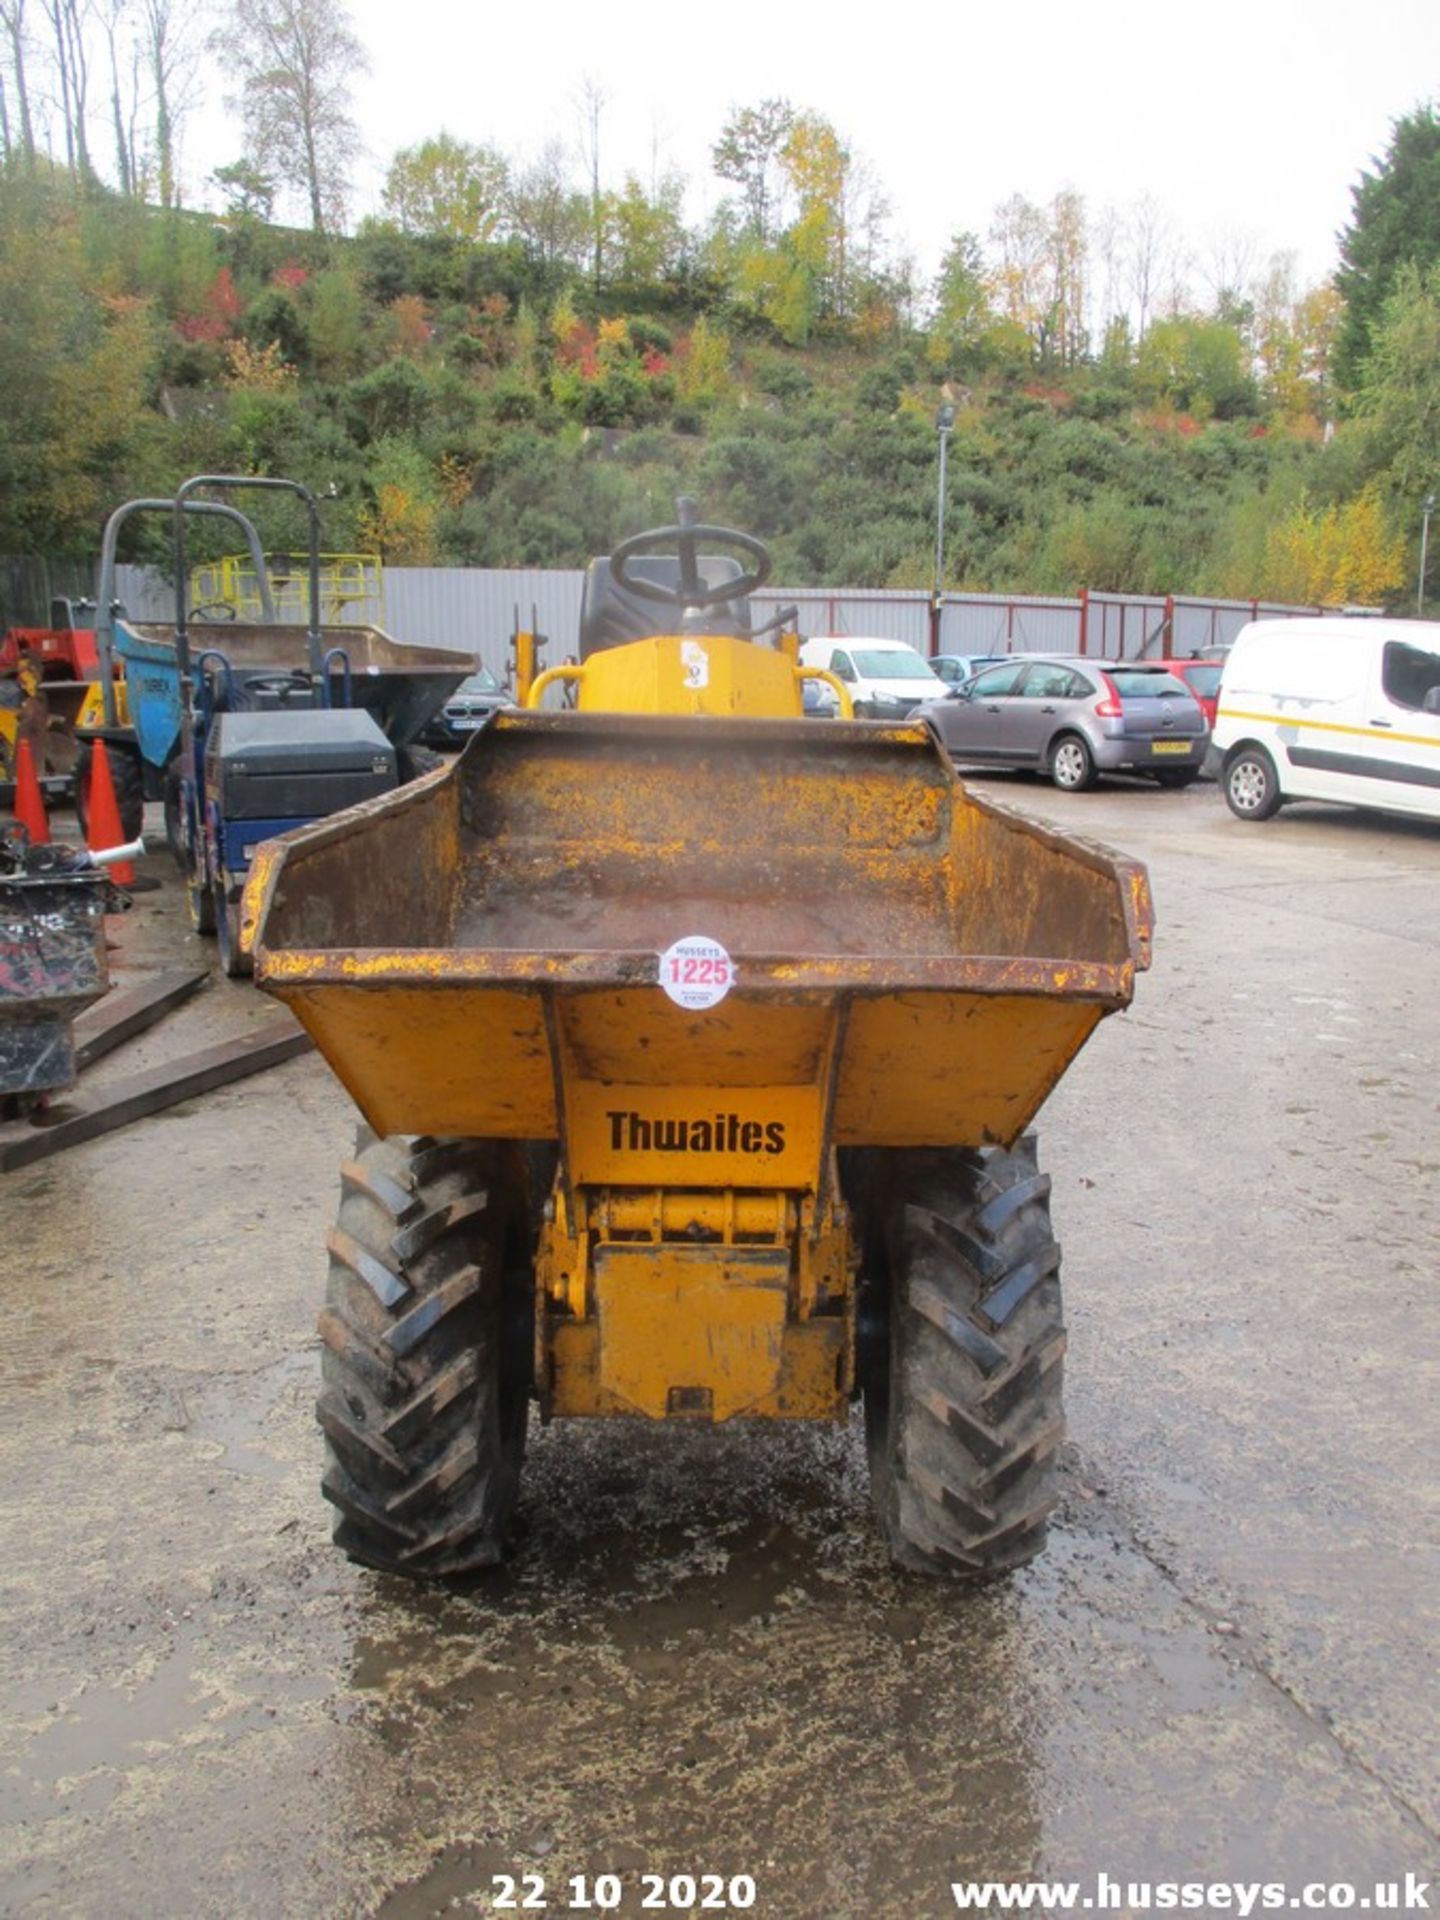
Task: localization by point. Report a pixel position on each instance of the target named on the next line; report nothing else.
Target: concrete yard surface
(698, 1661)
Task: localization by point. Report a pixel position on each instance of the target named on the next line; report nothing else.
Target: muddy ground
(699, 1661)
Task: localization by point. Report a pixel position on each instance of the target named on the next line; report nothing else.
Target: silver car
(956, 668)
(1073, 718)
(468, 708)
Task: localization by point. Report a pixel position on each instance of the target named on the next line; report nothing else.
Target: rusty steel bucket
(479, 954)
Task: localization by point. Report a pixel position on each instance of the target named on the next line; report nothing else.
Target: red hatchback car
(1202, 677)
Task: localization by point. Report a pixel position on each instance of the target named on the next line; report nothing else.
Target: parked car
(956, 668)
(1331, 709)
(887, 679)
(1202, 677)
(1073, 718)
(818, 700)
(469, 707)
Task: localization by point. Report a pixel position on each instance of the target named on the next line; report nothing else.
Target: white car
(1315, 709)
(887, 679)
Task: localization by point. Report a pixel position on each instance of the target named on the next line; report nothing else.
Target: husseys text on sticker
(696, 972)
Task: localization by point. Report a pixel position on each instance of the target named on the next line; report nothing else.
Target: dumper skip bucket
(894, 962)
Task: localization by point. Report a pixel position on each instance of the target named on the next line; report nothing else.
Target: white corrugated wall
(476, 608)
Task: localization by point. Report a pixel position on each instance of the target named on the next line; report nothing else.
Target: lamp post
(1427, 507)
(944, 425)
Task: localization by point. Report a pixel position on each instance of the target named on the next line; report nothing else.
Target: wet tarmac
(699, 1662)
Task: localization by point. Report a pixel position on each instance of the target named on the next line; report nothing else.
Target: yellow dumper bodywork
(699, 1041)
(479, 956)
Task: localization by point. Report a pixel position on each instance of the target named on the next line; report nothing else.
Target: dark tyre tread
(965, 1419)
(423, 1436)
(127, 776)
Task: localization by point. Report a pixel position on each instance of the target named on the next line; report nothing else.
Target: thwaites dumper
(697, 1043)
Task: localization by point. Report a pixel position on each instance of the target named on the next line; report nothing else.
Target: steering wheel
(214, 610)
(685, 538)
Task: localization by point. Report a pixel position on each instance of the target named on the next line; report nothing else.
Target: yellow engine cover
(677, 673)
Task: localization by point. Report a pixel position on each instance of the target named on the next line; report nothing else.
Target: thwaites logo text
(632, 1132)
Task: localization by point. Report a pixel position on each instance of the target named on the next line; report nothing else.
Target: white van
(1314, 709)
(887, 679)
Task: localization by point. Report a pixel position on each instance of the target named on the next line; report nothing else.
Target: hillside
(478, 405)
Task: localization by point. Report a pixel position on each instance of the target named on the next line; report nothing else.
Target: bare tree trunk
(312, 173)
(54, 11)
(22, 90)
(167, 56)
(74, 28)
(12, 18)
(124, 171)
(592, 105)
(164, 132)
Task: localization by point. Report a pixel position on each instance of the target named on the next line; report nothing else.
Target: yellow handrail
(548, 678)
(847, 705)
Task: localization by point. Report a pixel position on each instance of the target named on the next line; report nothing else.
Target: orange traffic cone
(29, 801)
(105, 815)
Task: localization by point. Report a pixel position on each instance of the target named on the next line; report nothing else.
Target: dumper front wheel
(425, 1357)
(963, 1405)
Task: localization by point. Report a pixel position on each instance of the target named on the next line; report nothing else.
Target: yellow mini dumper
(697, 1042)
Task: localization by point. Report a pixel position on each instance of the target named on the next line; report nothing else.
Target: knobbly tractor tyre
(425, 1358)
(963, 1408)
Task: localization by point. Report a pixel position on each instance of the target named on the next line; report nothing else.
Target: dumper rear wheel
(963, 1401)
(426, 1353)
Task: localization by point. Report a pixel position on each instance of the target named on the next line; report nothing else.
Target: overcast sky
(1240, 117)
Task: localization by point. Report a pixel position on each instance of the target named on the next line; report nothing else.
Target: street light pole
(1427, 507)
(944, 424)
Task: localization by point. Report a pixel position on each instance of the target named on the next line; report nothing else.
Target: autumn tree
(1395, 223)
(75, 368)
(963, 315)
(748, 153)
(1197, 366)
(249, 192)
(448, 188)
(545, 210)
(816, 162)
(295, 59)
(1038, 279)
(646, 237)
(1334, 556)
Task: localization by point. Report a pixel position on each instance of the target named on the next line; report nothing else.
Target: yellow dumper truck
(697, 1043)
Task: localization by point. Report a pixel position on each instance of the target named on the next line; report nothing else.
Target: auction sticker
(696, 972)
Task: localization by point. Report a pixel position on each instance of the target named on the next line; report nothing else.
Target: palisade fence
(29, 583)
(476, 609)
